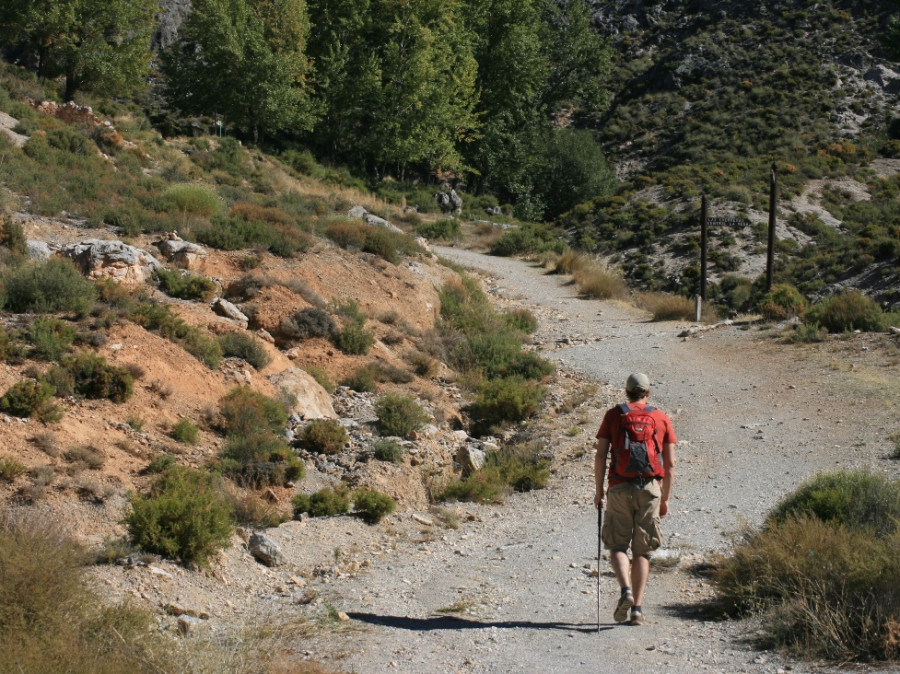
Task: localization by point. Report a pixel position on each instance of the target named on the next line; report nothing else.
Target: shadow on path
(445, 622)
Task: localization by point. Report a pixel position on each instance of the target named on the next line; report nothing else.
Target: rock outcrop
(98, 258)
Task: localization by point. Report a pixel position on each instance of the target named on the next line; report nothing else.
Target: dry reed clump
(597, 281)
(568, 262)
(49, 619)
(666, 307)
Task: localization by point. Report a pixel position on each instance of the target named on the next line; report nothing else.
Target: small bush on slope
(184, 517)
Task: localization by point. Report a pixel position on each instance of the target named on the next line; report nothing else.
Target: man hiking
(638, 441)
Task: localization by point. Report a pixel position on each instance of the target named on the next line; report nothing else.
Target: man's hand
(599, 499)
(664, 508)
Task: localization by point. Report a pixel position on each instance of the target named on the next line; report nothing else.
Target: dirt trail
(511, 591)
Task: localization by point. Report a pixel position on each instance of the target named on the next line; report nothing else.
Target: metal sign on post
(729, 220)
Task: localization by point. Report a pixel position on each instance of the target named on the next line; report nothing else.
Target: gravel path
(511, 590)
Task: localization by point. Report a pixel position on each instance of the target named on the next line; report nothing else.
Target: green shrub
(520, 468)
(190, 198)
(859, 500)
(321, 376)
(499, 354)
(388, 450)
(323, 503)
(184, 517)
(247, 412)
(309, 323)
(246, 346)
(522, 320)
(60, 379)
(160, 463)
(261, 459)
(52, 286)
(446, 229)
(204, 348)
(325, 436)
(354, 339)
(846, 312)
(161, 319)
(12, 237)
(10, 469)
(362, 380)
(807, 333)
(399, 415)
(300, 504)
(50, 338)
(523, 466)
(185, 286)
(506, 400)
(185, 431)
(371, 505)
(483, 486)
(30, 398)
(783, 301)
(382, 243)
(94, 378)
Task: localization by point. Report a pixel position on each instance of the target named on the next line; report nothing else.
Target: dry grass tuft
(666, 307)
(597, 281)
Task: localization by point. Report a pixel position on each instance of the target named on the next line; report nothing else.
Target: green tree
(892, 36)
(245, 60)
(574, 171)
(102, 45)
(397, 82)
(539, 65)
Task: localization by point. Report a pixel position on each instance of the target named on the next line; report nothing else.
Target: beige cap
(637, 382)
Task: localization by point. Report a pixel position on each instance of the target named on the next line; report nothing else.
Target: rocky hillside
(705, 96)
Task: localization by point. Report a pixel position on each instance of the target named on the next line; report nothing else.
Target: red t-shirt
(611, 427)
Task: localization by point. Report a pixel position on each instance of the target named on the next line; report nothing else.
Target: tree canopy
(101, 45)
(244, 60)
(396, 80)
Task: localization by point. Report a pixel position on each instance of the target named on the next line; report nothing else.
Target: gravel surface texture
(514, 589)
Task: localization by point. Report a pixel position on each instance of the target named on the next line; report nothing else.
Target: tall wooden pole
(704, 242)
(770, 251)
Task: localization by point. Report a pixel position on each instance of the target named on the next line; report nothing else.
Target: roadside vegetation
(821, 571)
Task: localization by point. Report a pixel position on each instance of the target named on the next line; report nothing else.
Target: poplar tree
(396, 79)
(243, 60)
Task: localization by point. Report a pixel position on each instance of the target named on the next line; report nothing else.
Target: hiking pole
(599, 557)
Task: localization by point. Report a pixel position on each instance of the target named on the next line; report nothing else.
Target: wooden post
(770, 251)
(703, 246)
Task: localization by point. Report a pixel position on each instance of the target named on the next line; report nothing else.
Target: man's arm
(669, 465)
(600, 471)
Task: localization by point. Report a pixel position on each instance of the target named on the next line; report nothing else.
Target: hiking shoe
(637, 618)
(626, 601)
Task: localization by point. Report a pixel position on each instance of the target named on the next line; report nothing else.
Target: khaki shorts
(632, 518)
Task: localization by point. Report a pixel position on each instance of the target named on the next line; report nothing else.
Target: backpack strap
(625, 408)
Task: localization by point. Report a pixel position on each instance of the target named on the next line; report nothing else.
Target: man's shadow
(446, 622)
